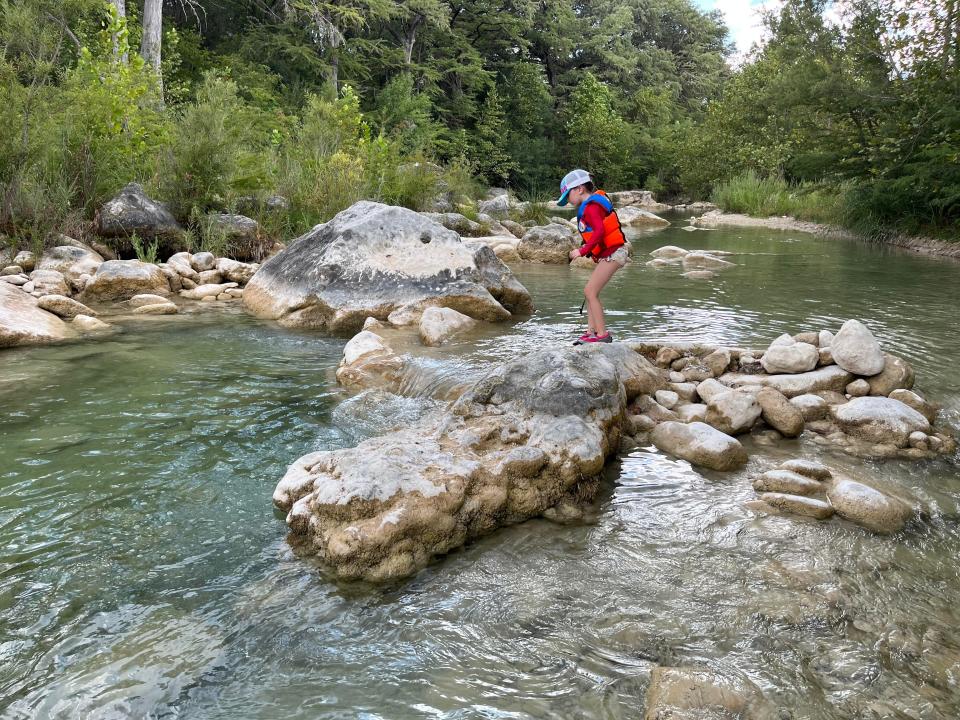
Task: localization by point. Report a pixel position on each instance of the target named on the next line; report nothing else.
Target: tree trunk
(410, 39)
(121, 6)
(152, 33)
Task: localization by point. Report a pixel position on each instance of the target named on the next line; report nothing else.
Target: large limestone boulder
(460, 224)
(437, 325)
(700, 444)
(26, 260)
(897, 374)
(122, 279)
(829, 377)
(133, 212)
(372, 259)
(880, 420)
(733, 412)
(71, 261)
(548, 244)
(23, 322)
(856, 350)
(867, 506)
(531, 435)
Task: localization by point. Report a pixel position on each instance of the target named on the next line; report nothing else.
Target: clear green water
(143, 572)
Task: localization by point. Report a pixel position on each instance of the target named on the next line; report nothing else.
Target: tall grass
(765, 196)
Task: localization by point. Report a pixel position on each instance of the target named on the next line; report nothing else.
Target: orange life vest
(612, 232)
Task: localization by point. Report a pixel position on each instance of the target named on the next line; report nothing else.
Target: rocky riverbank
(925, 246)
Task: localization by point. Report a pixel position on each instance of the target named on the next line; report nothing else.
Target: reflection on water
(144, 574)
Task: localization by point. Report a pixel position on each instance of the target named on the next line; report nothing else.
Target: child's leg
(601, 275)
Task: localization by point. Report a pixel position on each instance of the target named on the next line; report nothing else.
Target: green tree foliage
(328, 102)
(869, 105)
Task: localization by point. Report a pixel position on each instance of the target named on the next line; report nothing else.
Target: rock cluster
(71, 277)
(810, 489)
(795, 386)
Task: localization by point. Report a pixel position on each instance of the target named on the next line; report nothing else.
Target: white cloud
(745, 23)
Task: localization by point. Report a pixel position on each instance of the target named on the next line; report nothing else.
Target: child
(603, 241)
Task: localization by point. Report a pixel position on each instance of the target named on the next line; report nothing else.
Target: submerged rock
(867, 506)
(700, 444)
(689, 693)
(786, 481)
(531, 435)
(23, 322)
(372, 259)
(798, 505)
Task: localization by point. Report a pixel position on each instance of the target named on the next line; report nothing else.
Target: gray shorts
(620, 256)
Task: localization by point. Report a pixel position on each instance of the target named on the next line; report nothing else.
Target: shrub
(219, 150)
(764, 196)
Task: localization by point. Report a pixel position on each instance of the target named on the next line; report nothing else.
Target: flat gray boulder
(879, 420)
(699, 444)
(122, 279)
(829, 377)
(372, 259)
(856, 350)
(548, 244)
(23, 322)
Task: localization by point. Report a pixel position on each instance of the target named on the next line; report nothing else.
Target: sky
(743, 19)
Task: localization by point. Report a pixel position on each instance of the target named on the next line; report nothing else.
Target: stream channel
(145, 574)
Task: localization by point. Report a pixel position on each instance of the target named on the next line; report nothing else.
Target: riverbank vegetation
(848, 113)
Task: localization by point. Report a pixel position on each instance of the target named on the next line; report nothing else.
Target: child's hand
(574, 254)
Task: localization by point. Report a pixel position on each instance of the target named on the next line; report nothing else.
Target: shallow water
(143, 572)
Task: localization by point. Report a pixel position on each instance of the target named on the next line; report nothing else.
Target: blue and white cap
(574, 178)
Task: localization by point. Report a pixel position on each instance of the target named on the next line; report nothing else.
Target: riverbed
(145, 573)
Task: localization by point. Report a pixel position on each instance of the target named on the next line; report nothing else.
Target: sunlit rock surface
(530, 435)
(372, 259)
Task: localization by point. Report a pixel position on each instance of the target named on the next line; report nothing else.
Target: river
(144, 572)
